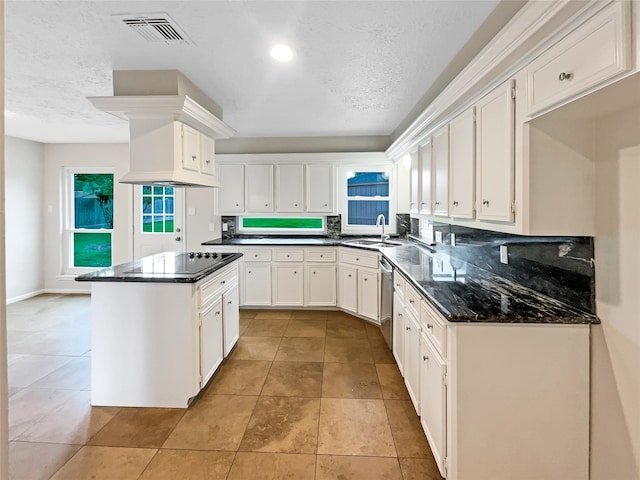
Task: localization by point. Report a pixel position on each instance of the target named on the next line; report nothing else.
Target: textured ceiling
(359, 66)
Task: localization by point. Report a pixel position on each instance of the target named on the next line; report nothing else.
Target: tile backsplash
(559, 267)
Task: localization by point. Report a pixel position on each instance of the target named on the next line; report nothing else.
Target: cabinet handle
(295, 273)
(288, 256)
(411, 300)
(565, 76)
(357, 259)
(295, 204)
(217, 313)
(408, 328)
(193, 157)
(237, 204)
(321, 256)
(349, 275)
(314, 273)
(455, 203)
(229, 302)
(266, 204)
(366, 279)
(255, 255)
(429, 325)
(485, 202)
(249, 271)
(223, 282)
(437, 203)
(326, 204)
(425, 358)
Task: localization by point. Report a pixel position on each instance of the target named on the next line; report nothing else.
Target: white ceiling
(359, 68)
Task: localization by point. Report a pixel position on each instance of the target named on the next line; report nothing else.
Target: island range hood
(173, 126)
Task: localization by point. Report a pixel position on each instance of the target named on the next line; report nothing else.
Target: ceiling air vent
(155, 28)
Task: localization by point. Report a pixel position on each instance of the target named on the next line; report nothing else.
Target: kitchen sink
(373, 243)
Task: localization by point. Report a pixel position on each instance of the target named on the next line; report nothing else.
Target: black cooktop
(179, 264)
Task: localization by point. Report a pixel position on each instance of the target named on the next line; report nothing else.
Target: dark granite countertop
(167, 267)
(460, 291)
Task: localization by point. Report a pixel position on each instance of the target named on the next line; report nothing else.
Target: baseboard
(68, 291)
(25, 296)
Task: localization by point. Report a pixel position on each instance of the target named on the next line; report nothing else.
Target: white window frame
(68, 220)
(343, 174)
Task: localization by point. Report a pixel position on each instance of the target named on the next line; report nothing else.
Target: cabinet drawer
(359, 257)
(256, 255)
(398, 284)
(287, 255)
(216, 285)
(412, 299)
(434, 327)
(325, 254)
(593, 53)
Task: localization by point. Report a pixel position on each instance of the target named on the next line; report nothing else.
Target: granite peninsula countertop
(167, 267)
(459, 290)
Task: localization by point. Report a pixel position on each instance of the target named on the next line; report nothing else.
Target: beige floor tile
(309, 314)
(69, 418)
(24, 370)
(240, 377)
(214, 422)
(70, 343)
(419, 469)
(272, 466)
(350, 380)
(28, 406)
(345, 350)
(406, 429)
(273, 314)
(301, 349)
(374, 333)
(37, 461)
(283, 425)
(189, 465)
(74, 375)
(267, 327)
(244, 323)
(329, 467)
(391, 381)
(138, 427)
(106, 463)
(346, 327)
(294, 379)
(256, 348)
(354, 427)
(248, 313)
(12, 391)
(306, 327)
(382, 354)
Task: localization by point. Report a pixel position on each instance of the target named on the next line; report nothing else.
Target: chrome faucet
(380, 221)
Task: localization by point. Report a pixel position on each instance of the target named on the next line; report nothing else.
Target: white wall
(201, 222)
(24, 182)
(57, 157)
(615, 360)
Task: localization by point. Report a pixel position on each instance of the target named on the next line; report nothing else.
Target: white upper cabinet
(231, 191)
(593, 53)
(258, 188)
(414, 205)
(440, 159)
(320, 188)
(207, 155)
(495, 154)
(289, 188)
(462, 165)
(190, 148)
(426, 178)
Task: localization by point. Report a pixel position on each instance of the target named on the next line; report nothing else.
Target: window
(367, 193)
(89, 219)
(300, 225)
(157, 209)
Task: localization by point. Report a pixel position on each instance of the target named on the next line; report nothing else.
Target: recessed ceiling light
(281, 53)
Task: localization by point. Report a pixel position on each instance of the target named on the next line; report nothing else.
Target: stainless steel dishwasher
(386, 301)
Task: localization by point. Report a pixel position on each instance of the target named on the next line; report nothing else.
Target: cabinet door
(287, 284)
(231, 191)
(398, 331)
(414, 205)
(369, 295)
(258, 188)
(412, 358)
(440, 159)
(433, 404)
(255, 281)
(495, 154)
(320, 284)
(190, 148)
(289, 188)
(348, 288)
(320, 188)
(462, 151)
(230, 318)
(426, 181)
(211, 349)
(207, 155)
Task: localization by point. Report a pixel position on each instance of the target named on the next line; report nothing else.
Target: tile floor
(305, 395)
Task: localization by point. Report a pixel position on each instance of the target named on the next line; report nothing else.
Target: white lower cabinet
(348, 288)
(369, 294)
(320, 285)
(359, 283)
(211, 341)
(230, 318)
(433, 404)
(255, 284)
(398, 331)
(287, 287)
(412, 357)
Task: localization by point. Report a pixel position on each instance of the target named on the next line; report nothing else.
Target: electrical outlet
(191, 211)
(212, 227)
(438, 236)
(504, 254)
(453, 239)
(225, 227)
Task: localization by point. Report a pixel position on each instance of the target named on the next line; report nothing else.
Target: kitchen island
(161, 326)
